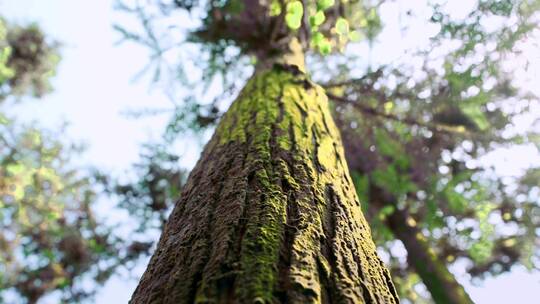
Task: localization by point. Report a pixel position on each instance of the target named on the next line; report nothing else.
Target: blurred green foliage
(49, 236)
(27, 61)
(51, 241)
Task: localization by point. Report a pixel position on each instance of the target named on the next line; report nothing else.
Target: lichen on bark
(269, 213)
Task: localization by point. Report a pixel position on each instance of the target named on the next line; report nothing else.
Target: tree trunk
(441, 284)
(269, 213)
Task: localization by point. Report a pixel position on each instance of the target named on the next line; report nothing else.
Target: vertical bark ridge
(269, 214)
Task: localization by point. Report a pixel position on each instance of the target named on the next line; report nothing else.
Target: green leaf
(293, 22)
(324, 4)
(456, 201)
(4, 120)
(63, 282)
(387, 210)
(387, 178)
(386, 144)
(295, 8)
(354, 36)
(316, 39)
(392, 148)
(325, 46)
(317, 19)
(372, 14)
(5, 71)
(275, 8)
(475, 114)
(482, 250)
(388, 106)
(234, 7)
(342, 26)
(49, 254)
(295, 11)
(390, 179)
(3, 30)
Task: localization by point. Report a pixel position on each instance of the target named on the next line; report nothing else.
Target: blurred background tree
(50, 238)
(417, 131)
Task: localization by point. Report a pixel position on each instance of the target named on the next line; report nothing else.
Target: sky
(94, 86)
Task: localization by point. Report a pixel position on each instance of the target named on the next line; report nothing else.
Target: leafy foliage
(49, 234)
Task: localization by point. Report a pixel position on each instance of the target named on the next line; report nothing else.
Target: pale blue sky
(94, 86)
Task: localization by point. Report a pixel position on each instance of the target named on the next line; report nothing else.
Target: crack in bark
(315, 152)
(286, 249)
(327, 242)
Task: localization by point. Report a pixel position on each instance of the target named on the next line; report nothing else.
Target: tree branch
(406, 120)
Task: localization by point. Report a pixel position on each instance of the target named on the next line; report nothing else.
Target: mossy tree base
(269, 213)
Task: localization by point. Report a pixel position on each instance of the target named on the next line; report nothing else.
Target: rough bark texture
(269, 213)
(441, 284)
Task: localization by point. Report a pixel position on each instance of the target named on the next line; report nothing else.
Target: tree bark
(269, 214)
(441, 284)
